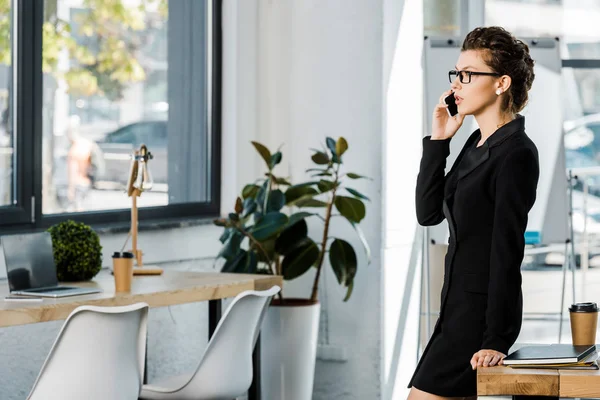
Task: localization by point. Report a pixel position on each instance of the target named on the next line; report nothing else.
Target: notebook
(588, 363)
(549, 354)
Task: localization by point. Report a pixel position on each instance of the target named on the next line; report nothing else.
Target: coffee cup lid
(584, 307)
(125, 254)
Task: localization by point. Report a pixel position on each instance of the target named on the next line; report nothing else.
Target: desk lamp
(140, 180)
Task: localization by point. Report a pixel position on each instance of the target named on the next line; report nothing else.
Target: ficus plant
(259, 237)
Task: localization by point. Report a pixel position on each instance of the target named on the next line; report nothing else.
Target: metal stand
(569, 260)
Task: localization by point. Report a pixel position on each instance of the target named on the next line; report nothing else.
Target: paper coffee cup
(584, 321)
(123, 271)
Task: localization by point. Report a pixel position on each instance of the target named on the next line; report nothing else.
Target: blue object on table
(533, 237)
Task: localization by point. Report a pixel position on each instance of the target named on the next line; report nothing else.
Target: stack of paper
(555, 356)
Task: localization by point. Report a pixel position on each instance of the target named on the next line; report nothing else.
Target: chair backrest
(225, 369)
(98, 354)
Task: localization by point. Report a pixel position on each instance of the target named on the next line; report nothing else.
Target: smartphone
(452, 107)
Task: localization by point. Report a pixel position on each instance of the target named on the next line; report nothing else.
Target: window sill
(152, 225)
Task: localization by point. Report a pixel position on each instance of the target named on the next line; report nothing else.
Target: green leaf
(239, 207)
(249, 207)
(331, 145)
(320, 158)
(343, 261)
(243, 262)
(268, 246)
(299, 216)
(297, 191)
(234, 217)
(351, 208)
(275, 159)
(227, 232)
(269, 225)
(276, 201)
(282, 181)
(358, 194)
(232, 246)
(250, 263)
(322, 174)
(352, 175)
(264, 152)
(341, 146)
(363, 240)
(349, 291)
(220, 222)
(291, 237)
(325, 186)
(250, 191)
(260, 196)
(310, 203)
(235, 264)
(317, 170)
(300, 260)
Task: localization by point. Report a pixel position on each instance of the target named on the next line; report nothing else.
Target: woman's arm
(430, 181)
(516, 186)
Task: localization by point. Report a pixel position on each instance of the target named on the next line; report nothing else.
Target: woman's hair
(505, 55)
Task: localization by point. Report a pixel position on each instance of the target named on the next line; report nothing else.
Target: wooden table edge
(59, 309)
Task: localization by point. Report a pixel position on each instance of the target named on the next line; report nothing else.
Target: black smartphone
(452, 107)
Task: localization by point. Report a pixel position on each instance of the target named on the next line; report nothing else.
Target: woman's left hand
(487, 358)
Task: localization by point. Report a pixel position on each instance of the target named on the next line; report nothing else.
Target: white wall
(318, 73)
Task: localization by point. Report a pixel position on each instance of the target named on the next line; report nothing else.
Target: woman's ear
(504, 83)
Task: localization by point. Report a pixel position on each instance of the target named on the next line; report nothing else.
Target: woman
(485, 197)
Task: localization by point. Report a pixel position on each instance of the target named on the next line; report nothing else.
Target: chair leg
(254, 392)
(145, 378)
(214, 315)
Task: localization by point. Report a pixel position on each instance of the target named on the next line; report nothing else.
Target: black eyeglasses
(465, 76)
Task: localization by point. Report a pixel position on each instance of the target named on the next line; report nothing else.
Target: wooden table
(171, 288)
(531, 383)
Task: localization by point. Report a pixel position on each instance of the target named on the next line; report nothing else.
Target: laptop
(30, 267)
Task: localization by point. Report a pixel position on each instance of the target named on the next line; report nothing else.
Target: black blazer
(486, 198)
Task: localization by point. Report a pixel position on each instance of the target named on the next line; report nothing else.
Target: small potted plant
(259, 237)
(77, 251)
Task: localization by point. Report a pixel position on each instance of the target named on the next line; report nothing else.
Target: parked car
(117, 147)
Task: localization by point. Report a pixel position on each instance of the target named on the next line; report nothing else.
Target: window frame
(27, 214)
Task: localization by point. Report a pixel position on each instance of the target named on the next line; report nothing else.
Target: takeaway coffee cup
(123, 270)
(584, 320)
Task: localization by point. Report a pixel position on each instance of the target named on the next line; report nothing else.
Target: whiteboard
(548, 218)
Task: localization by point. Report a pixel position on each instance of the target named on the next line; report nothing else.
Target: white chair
(225, 369)
(98, 355)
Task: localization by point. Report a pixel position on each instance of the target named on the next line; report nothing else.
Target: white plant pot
(288, 351)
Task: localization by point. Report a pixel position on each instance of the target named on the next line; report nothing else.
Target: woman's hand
(487, 358)
(443, 125)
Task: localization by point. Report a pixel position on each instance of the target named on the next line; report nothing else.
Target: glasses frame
(459, 74)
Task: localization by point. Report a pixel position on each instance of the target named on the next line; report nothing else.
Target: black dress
(486, 198)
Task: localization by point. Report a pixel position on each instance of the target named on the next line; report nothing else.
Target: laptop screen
(29, 261)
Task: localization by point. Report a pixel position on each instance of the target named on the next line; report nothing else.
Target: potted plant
(259, 237)
(77, 251)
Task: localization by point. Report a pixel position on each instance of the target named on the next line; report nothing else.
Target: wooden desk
(170, 288)
(528, 383)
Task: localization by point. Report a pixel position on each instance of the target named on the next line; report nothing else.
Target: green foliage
(77, 251)
(282, 243)
(115, 29)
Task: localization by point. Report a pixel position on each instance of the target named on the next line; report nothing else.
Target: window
(442, 17)
(98, 79)
(7, 133)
